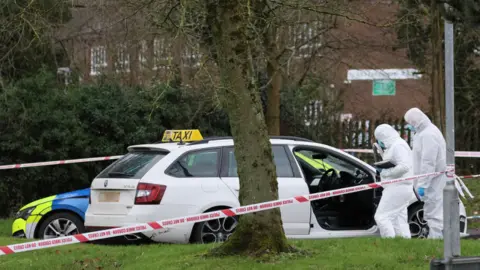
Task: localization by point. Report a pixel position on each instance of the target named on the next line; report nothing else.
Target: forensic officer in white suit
(429, 155)
(392, 213)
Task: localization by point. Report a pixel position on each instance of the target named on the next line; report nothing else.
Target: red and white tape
(57, 162)
(457, 153)
(469, 176)
(467, 154)
(156, 225)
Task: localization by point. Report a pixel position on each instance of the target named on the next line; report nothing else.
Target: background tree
(420, 31)
(294, 31)
(423, 20)
(231, 36)
(26, 35)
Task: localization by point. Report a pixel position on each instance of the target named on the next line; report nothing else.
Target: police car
(168, 180)
(53, 216)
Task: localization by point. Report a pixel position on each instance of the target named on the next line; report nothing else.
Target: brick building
(364, 46)
(104, 39)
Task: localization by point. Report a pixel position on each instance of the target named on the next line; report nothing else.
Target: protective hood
(386, 134)
(417, 118)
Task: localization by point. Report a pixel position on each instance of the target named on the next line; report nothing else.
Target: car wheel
(60, 224)
(418, 225)
(214, 231)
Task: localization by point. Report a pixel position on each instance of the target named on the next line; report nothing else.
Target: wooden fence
(360, 133)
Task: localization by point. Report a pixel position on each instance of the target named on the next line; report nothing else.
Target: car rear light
(149, 193)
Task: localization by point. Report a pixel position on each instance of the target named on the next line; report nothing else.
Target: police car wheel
(59, 225)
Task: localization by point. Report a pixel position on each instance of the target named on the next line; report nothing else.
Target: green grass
(5, 227)
(354, 253)
(359, 253)
(473, 205)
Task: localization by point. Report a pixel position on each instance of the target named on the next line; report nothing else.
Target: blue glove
(379, 169)
(421, 191)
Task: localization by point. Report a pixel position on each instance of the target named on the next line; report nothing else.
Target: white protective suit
(392, 213)
(429, 155)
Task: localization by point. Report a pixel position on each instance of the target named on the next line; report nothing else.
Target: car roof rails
(292, 138)
(209, 139)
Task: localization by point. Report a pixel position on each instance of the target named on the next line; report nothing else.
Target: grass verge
(473, 205)
(354, 253)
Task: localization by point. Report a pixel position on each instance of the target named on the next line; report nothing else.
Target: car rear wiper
(119, 174)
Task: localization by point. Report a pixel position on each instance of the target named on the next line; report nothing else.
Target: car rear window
(133, 165)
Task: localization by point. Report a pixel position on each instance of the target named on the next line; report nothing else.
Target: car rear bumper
(177, 234)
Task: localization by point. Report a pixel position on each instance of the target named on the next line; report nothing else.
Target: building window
(312, 112)
(192, 56)
(98, 59)
(143, 54)
(122, 63)
(161, 57)
(306, 37)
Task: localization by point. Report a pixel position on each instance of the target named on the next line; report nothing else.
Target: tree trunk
(275, 85)
(232, 42)
(437, 75)
(273, 97)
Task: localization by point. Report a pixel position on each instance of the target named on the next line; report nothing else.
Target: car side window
(204, 163)
(328, 162)
(284, 167)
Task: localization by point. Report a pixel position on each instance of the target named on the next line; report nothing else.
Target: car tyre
(214, 231)
(418, 225)
(60, 224)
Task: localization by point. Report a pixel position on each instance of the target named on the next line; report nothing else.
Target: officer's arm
(400, 158)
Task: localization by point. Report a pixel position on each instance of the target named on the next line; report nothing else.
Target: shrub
(41, 120)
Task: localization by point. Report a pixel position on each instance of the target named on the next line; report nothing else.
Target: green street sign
(383, 88)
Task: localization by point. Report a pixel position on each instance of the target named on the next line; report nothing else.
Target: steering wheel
(329, 178)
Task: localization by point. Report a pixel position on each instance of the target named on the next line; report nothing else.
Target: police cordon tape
(469, 176)
(83, 160)
(57, 162)
(162, 224)
(457, 153)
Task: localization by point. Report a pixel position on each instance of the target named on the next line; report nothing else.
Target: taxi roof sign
(182, 135)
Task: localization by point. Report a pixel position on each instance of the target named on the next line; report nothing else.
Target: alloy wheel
(418, 225)
(60, 227)
(218, 230)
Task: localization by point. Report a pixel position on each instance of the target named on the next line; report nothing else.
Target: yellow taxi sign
(182, 135)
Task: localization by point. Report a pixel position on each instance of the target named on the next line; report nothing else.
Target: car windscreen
(133, 165)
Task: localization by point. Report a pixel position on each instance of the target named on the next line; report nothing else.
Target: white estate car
(167, 180)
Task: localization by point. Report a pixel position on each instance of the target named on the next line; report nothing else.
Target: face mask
(411, 128)
(382, 145)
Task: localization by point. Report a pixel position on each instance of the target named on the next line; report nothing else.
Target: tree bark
(273, 97)
(231, 41)
(275, 85)
(437, 75)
